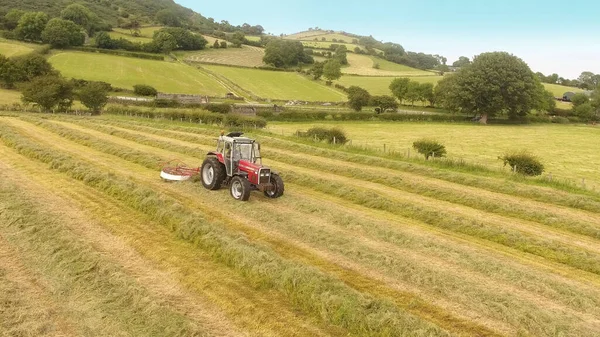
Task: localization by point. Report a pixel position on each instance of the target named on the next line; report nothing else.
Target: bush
(329, 135)
(144, 90)
(430, 148)
(523, 163)
(220, 108)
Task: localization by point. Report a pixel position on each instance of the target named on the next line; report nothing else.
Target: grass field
(565, 150)
(278, 85)
(125, 34)
(363, 65)
(377, 85)
(319, 34)
(9, 96)
(11, 48)
(125, 72)
(327, 45)
(93, 242)
(247, 56)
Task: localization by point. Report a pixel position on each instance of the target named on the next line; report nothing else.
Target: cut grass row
(470, 197)
(185, 277)
(82, 276)
(484, 229)
(540, 190)
(372, 261)
(417, 306)
(336, 303)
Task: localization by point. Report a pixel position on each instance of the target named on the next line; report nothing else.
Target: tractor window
(220, 146)
(227, 150)
(242, 151)
(257, 157)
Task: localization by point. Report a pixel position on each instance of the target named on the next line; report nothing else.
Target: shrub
(523, 162)
(430, 148)
(144, 90)
(220, 108)
(329, 135)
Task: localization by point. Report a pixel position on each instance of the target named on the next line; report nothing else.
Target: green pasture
(9, 96)
(127, 36)
(364, 65)
(380, 85)
(567, 151)
(247, 56)
(320, 34)
(327, 44)
(278, 84)
(252, 38)
(125, 72)
(10, 48)
(558, 90)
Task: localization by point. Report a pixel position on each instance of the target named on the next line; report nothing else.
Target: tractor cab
(237, 162)
(235, 148)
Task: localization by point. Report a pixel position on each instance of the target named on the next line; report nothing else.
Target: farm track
(388, 258)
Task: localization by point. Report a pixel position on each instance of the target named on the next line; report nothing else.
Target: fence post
(550, 176)
(583, 182)
(333, 140)
(383, 147)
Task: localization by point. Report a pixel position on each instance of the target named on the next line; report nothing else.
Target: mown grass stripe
(539, 190)
(312, 291)
(83, 273)
(577, 258)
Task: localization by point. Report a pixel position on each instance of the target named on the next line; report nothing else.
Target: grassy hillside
(247, 56)
(380, 85)
(126, 72)
(278, 85)
(319, 34)
(364, 65)
(11, 48)
(559, 90)
(361, 244)
(106, 10)
(9, 96)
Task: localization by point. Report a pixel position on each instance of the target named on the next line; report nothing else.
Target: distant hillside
(120, 12)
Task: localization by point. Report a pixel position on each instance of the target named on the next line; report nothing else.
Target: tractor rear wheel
(278, 187)
(212, 173)
(240, 188)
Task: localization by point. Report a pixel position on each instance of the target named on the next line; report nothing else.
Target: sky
(552, 36)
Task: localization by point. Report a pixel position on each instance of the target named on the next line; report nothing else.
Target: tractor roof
(237, 139)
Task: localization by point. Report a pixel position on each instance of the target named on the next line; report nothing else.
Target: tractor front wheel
(240, 188)
(213, 173)
(277, 189)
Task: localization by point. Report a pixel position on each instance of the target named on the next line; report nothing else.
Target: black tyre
(278, 187)
(240, 188)
(212, 173)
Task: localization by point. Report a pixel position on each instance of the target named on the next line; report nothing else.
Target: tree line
(493, 84)
(41, 84)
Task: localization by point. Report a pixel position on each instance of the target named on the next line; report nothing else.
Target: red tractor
(237, 163)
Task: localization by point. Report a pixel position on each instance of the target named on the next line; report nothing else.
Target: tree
(34, 65)
(494, 83)
(286, 53)
(10, 72)
(94, 96)
(104, 41)
(223, 44)
(579, 99)
(317, 70)
(399, 87)
(358, 97)
(413, 92)
(238, 38)
(169, 17)
(78, 14)
(165, 42)
(216, 45)
(427, 93)
(341, 54)
(442, 69)
(585, 110)
(31, 25)
(589, 80)
(11, 19)
(184, 39)
(332, 70)
(63, 34)
(461, 62)
(383, 103)
(49, 92)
